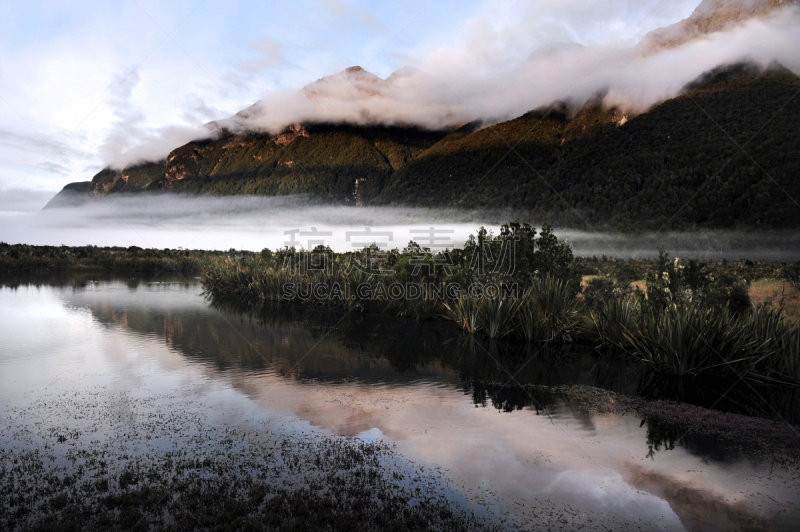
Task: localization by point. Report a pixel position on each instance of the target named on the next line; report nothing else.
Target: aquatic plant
(465, 312)
(232, 279)
(787, 362)
(549, 311)
(268, 283)
(426, 307)
(611, 322)
(768, 324)
(495, 315)
(690, 340)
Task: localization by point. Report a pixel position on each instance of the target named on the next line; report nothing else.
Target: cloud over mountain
(487, 75)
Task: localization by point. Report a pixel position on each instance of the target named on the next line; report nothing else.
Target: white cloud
(270, 55)
(473, 61)
(489, 76)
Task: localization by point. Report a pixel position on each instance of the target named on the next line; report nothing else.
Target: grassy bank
(685, 319)
(22, 258)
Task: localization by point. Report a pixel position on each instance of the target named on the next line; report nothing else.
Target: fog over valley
(254, 223)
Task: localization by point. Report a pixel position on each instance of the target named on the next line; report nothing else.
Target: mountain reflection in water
(501, 421)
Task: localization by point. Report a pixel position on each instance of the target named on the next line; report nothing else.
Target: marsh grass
(549, 311)
(496, 315)
(610, 324)
(692, 340)
(429, 306)
(788, 362)
(672, 329)
(464, 312)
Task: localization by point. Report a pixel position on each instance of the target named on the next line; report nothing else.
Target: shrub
(549, 311)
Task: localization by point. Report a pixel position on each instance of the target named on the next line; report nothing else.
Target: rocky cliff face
(709, 17)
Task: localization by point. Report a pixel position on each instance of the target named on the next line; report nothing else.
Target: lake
(533, 439)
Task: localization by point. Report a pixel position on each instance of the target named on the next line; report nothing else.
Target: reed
(769, 325)
(428, 306)
(616, 318)
(350, 281)
(787, 362)
(232, 279)
(547, 311)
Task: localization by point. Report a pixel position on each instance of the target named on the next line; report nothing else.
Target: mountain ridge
(709, 17)
(536, 162)
(596, 166)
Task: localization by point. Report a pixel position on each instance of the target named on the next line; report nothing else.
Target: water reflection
(411, 346)
(497, 418)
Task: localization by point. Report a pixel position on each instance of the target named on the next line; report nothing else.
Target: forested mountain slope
(677, 165)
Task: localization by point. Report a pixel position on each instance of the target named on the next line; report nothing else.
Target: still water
(505, 437)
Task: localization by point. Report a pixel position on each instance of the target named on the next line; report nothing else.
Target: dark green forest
(673, 167)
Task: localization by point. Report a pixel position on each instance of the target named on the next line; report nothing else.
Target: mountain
(709, 17)
(72, 195)
(674, 166)
(341, 163)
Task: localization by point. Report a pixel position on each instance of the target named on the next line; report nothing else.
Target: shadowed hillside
(677, 166)
(673, 166)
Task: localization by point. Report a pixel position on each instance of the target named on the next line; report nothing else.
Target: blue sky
(71, 70)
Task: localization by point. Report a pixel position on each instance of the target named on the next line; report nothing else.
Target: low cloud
(494, 71)
(257, 222)
(490, 81)
(129, 142)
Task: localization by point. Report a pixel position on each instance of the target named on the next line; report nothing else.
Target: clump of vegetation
(688, 319)
(520, 284)
(23, 258)
(550, 311)
(692, 340)
(687, 323)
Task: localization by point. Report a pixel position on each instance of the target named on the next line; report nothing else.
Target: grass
(779, 294)
(22, 258)
(257, 478)
(549, 311)
(693, 341)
